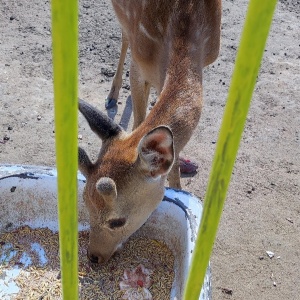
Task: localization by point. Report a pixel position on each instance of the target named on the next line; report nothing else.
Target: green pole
(65, 61)
(254, 36)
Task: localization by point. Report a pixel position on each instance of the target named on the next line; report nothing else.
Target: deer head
(125, 184)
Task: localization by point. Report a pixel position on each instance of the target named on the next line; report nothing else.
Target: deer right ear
(156, 151)
(84, 163)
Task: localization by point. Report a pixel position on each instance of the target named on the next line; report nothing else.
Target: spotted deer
(171, 41)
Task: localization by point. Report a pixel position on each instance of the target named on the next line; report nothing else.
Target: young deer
(170, 41)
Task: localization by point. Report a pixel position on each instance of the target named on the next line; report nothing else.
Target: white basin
(28, 196)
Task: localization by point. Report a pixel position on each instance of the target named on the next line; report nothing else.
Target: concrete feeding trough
(28, 196)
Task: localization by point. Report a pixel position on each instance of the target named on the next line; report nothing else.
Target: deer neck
(180, 101)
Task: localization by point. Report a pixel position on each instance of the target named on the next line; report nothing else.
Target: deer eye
(116, 223)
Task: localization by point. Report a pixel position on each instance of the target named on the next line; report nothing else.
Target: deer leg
(139, 94)
(113, 95)
(174, 175)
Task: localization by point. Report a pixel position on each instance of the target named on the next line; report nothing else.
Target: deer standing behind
(170, 42)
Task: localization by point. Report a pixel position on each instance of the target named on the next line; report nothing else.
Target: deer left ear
(84, 163)
(156, 151)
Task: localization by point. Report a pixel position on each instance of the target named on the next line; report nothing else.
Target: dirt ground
(262, 212)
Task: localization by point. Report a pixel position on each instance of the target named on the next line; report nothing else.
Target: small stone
(152, 102)
(126, 87)
(107, 73)
(39, 117)
(270, 254)
(227, 291)
(79, 136)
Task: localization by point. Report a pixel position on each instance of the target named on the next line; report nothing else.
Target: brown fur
(170, 42)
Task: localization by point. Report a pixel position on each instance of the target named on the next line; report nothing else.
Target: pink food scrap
(136, 283)
(187, 166)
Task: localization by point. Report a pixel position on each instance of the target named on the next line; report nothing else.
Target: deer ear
(156, 151)
(84, 162)
(101, 124)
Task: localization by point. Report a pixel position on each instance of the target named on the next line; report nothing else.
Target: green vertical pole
(65, 62)
(254, 36)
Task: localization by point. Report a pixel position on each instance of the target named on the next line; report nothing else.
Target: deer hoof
(110, 103)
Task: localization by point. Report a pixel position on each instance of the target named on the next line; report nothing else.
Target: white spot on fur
(145, 32)
(160, 28)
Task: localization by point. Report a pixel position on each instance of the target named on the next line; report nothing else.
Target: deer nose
(96, 259)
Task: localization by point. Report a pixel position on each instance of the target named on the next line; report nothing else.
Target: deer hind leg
(139, 94)
(113, 95)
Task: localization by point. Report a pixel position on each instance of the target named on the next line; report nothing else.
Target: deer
(170, 42)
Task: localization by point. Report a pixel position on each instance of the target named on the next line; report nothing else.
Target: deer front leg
(113, 95)
(174, 175)
(139, 95)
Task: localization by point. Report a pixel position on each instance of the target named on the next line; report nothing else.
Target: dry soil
(262, 211)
